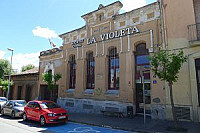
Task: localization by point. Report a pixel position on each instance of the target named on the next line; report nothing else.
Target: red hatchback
(44, 112)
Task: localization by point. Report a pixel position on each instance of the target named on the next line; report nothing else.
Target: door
(36, 111)
(142, 68)
(29, 109)
(139, 98)
(28, 93)
(46, 94)
(19, 92)
(197, 65)
(8, 108)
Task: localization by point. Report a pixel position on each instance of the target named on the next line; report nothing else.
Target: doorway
(142, 68)
(46, 94)
(28, 93)
(139, 98)
(197, 65)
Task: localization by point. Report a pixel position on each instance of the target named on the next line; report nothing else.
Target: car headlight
(51, 114)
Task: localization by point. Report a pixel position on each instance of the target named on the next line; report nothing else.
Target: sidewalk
(134, 124)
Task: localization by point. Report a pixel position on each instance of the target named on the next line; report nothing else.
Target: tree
(4, 84)
(27, 67)
(166, 66)
(4, 68)
(51, 80)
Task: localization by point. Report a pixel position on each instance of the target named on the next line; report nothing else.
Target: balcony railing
(194, 32)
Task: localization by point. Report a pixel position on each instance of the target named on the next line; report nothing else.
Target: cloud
(20, 60)
(44, 32)
(129, 5)
(2, 54)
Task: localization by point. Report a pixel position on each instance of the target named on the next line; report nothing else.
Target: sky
(26, 25)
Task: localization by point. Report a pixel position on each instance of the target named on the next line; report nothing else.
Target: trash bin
(130, 111)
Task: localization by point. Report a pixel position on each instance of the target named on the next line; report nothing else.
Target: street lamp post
(9, 73)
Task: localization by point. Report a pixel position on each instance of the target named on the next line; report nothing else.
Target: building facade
(181, 32)
(25, 85)
(102, 63)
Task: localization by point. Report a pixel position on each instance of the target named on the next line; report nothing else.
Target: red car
(44, 112)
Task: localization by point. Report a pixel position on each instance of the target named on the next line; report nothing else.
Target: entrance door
(197, 64)
(142, 68)
(139, 98)
(19, 93)
(46, 94)
(28, 93)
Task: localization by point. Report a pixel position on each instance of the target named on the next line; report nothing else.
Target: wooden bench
(112, 111)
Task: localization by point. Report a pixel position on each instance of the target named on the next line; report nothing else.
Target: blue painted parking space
(71, 127)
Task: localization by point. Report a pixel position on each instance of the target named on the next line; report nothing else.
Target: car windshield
(19, 103)
(49, 105)
(3, 99)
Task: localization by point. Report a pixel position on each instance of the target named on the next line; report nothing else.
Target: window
(31, 104)
(113, 69)
(90, 71)
(72, 63)
(142, 62)
(100, 17)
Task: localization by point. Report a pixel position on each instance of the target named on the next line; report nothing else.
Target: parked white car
(3, 101)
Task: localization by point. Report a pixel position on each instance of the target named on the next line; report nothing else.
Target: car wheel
(13, 114)
(42, 121)
(2, 112)
(25, 117)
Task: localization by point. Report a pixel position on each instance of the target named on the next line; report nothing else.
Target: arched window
(72, 78)
(142, 62)
(113, 69)
(90, 71)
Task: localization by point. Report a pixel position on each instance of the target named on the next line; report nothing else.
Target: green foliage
(27, 67)
(167, 65)
(4, 84)
(51, 79)
(4, 68)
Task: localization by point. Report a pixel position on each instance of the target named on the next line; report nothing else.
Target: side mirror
(37, 108)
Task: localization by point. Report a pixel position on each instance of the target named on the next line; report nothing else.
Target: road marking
(83, 130)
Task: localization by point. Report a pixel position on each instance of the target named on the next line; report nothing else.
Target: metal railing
(194, 32)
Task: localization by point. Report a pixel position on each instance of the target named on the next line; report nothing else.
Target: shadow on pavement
(9, 117)
(31, 123)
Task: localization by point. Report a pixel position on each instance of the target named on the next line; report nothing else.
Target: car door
(10, 108)
(29, 110)
(36, 111)
(7, 107)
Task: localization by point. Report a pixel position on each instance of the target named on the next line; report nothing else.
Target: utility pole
(9, 73)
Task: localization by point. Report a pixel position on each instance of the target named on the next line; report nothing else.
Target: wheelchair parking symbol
(84, 130)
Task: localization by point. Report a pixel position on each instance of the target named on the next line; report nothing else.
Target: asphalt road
(8, 125)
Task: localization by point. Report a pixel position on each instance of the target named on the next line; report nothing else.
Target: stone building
(102, 62)
(25, 85)
(181, 31)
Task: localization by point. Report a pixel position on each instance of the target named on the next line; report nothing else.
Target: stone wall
(92, 106)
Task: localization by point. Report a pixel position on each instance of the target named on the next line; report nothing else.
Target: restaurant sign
(107, 36)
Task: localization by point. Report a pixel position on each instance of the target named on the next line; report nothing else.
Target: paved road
(8, 125)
